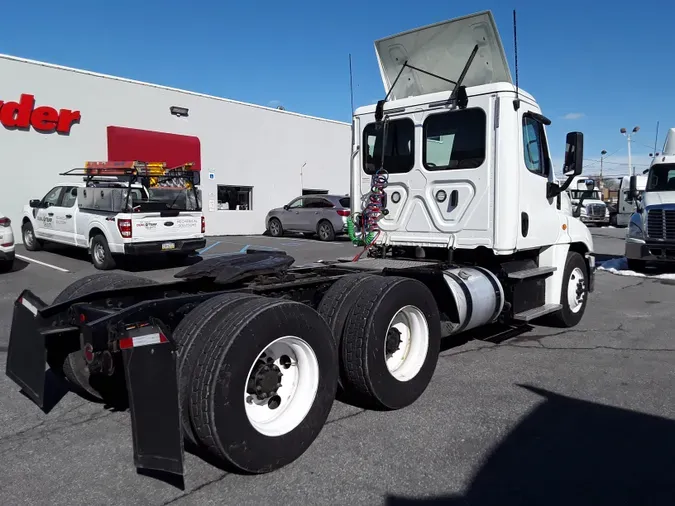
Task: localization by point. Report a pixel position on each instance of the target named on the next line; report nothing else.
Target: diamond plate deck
(377, 264)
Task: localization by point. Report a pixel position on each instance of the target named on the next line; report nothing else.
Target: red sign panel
(24, 114)
(150, 146)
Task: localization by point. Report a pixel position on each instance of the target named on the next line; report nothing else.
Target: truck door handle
(50, 214)
(69, 215)
(454, 198)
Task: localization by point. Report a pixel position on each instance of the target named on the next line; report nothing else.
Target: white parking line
(42, 263)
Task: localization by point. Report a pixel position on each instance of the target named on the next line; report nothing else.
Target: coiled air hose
(373, 211)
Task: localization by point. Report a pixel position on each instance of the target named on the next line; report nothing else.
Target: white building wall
(243, 144)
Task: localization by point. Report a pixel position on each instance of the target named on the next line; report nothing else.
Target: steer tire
(69, 363)
(365, 335)
(565, 317)
(30, 242)
(337, 304)
(189, 340)
(234, 339)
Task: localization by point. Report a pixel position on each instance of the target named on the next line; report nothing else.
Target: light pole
(602, 156)
(628, 136)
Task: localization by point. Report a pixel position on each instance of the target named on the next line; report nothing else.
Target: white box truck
(458, 224)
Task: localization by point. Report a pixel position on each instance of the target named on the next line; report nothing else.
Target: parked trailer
(459, 223)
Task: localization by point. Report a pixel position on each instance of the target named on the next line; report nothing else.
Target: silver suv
(324, 215)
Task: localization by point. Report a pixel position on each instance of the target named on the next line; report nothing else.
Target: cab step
(532, 273)
(536, 312)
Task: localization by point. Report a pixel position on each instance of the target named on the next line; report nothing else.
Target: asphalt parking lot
(582, 416)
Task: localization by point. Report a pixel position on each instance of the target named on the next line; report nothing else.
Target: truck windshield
(661, 178)
(585, 194)
(182, 199)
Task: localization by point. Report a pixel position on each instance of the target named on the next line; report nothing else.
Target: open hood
(443, 49)
(669, 144)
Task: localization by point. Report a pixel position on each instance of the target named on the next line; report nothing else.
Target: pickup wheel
(391, 342)
(69, 362)
(101, 256)
(189, 339)
(30, 242)
(264, 383)
(574, 293)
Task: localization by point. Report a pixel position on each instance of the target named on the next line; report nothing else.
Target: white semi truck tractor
(587, 203)
(458, 225)
(650, 236)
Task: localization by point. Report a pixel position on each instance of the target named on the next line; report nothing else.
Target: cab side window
(534, 147)
(70, 197)
(53, 197)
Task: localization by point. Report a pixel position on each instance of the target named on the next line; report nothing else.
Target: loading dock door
(125, 144)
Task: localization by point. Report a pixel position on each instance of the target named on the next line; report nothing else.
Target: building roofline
(162, 87)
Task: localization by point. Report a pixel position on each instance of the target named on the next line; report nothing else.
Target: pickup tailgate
(154, 227)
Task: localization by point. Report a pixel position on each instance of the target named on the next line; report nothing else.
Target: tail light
(203, 225)
(343, 212)
(124, 225)
(5, 222)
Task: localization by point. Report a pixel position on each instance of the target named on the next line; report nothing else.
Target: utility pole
(628, 136)
(602, 156)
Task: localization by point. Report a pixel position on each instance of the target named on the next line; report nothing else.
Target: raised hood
(443, 49)
(669, 144)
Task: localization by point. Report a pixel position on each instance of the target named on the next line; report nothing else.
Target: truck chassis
(179, 352)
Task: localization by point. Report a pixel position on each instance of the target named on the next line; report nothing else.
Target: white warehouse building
(251, 158)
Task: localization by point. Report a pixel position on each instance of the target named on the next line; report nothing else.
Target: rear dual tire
(236, 405)
(388, 335)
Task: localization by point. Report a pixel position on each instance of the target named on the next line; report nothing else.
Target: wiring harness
(364, 227)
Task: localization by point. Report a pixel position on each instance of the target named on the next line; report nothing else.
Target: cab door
(44, 215)
(64, 215)
(539, 220)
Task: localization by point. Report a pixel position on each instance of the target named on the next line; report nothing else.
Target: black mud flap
(26, 353)
(152, 383)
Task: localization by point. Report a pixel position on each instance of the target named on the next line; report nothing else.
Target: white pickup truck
(110, 217)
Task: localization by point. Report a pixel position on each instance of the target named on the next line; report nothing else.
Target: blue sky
(593, 65)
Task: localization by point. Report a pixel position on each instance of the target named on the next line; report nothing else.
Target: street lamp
(602, 156)
(628, 136)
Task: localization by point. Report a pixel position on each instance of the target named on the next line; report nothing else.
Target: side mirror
(34, 203)
(573, 165)
(632, 189)
(286, 208)
(574, 154)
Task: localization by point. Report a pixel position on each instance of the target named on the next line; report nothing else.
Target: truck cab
(455, 162)
(587, 203)
(651, 230)
(619, 215)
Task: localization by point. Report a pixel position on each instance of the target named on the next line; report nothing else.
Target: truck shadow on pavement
(569, 451)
